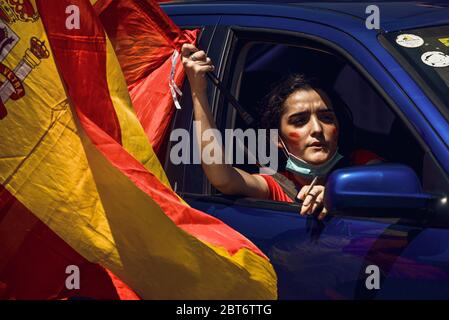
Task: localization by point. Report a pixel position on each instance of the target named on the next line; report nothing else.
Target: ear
(276, 141)
(279, 145)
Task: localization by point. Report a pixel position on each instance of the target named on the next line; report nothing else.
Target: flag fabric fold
(80, 183)
(144, 39)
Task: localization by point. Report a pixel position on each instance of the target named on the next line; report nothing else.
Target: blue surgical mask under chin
(307, 170)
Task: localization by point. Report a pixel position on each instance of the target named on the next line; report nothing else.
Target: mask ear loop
(284, 148)
(288, 153)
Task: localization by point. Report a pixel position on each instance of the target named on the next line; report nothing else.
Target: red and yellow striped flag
(81, 184)
(144, 39)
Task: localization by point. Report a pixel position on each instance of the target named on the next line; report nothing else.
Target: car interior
(256, 65)
(375, 127)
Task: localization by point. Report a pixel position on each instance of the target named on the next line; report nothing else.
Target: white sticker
(409, 40)
(435, 59)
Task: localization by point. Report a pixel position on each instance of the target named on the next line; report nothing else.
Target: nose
(316, 126)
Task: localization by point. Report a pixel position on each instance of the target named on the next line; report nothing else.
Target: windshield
(426, 55)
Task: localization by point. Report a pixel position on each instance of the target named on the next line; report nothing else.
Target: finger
(206, 62)
(198, 56)
(305, 190)
(187, 49)
(308, 203)
(203, 69)
(320, 197)
(318, 201)
(323, 214)
(305, 207)
(313, 194)
(317, 208)
(302, 192)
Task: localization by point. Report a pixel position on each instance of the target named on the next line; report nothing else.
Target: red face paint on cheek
(294, 135)
(294, 138)
(335, 131)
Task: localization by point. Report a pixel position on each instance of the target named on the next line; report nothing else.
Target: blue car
(387, 234)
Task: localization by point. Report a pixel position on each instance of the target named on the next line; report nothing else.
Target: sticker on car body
(409, 40)
(435, 59)
(444, 41)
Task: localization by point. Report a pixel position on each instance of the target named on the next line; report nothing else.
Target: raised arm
(224, 177)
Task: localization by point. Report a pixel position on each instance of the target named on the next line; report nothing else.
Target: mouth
(317, 145)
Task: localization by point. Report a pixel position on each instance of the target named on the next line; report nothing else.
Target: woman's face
(309, 126)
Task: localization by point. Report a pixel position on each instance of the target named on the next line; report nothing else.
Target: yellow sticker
(444, 41)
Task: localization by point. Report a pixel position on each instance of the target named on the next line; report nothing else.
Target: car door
(348, 256)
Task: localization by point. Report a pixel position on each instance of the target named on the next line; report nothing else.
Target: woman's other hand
(313, 201)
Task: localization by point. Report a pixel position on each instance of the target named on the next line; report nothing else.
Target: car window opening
(374, 126)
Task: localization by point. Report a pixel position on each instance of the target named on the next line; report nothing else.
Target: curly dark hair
(273, 106)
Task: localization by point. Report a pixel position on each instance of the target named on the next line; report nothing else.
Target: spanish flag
(82, 186)
(145, 39)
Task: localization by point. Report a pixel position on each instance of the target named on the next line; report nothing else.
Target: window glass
(427, 52)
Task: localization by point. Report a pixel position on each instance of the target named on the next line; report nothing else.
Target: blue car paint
(200, 20)
(427, 120)
(315, 260)
(394, 16)
(328, 260)
(378, 186)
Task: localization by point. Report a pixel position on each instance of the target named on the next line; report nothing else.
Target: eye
(327, 117)
(299, 120)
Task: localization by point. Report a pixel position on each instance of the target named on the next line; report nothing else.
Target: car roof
(394, 16)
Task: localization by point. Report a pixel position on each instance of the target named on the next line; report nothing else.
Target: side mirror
(384, 190)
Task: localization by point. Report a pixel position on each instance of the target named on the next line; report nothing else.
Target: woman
(308, 135)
